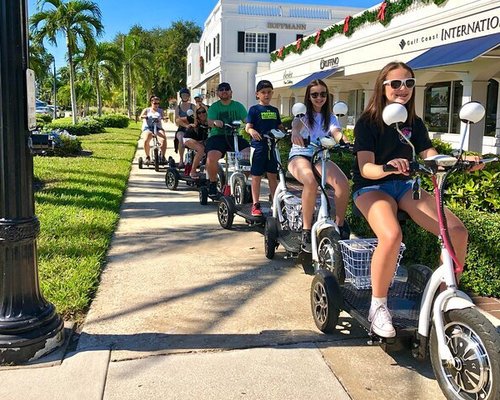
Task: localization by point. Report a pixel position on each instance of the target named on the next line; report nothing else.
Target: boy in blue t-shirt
(261, 119)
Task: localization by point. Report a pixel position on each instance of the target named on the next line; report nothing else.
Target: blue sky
(119, 15)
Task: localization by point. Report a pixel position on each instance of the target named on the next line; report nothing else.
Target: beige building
(454, 49)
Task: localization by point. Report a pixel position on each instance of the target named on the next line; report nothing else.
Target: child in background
(261, 119)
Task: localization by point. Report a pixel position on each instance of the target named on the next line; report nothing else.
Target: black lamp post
(29, 325)
(55, 88)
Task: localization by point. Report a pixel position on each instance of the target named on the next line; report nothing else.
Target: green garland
(391, 10)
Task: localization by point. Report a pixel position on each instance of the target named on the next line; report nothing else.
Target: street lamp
(29, 325)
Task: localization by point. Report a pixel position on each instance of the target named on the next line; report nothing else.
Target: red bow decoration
(381, 11)
(299, 43)
(318, 36)
(280, 51)
(346, 23)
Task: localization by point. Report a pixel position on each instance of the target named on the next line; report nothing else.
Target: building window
(442, 104)
(256, 42)
(491, 108)
(218, 43)
(189, 69)
(214, 48)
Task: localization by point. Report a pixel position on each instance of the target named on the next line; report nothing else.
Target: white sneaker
(381, 322)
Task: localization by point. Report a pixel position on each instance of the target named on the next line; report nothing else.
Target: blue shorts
(395, 188)
(263, 160)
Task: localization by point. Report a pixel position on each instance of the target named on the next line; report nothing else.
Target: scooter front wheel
(475, 346)
(326, 301)
(329, 255)
(225, 212)
(270, 237)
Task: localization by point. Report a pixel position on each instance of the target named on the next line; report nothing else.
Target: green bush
(482, 274)
(43, 119)
(68, 147)
(114, 121)
(82, 128)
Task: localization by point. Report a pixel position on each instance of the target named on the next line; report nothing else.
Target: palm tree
(136, 61)
(79, 21)
(105, 59)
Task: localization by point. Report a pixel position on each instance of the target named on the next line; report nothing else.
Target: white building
(238, 35)
(454, 49)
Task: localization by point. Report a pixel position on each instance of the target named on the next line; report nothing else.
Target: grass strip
(78, 207)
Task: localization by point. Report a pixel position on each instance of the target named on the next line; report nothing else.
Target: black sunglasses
(315, 95)
(397, 83)
(155, 102)
(224, 89)
(201, 112)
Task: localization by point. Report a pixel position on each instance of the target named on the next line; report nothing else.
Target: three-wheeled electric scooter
(238, 195)
(284, 227)
(156, 156)
(428, 309)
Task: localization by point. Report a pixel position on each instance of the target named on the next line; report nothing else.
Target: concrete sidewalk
(187, 310)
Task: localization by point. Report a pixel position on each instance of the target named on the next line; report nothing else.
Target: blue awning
(455, 53)
(317, 75)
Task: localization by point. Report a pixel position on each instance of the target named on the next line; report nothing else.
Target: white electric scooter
(463, 345)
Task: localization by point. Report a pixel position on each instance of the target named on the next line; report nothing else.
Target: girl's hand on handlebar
(297, 139)
(477, 166)
(218, 123)
(402, 166)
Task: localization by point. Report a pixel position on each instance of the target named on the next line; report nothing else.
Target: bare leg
(273, 183)
(180, 137)
(300, 168)
(147, 146)
(424, 213)
(380, 211)
(256, 180)
(337, 179)
(213, 158)
(198, 155)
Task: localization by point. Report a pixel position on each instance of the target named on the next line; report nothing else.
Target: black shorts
(263, 160)
(224, 143)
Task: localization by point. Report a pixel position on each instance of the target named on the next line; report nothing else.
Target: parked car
(41, 107)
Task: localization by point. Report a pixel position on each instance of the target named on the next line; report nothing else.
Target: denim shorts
(395, 188)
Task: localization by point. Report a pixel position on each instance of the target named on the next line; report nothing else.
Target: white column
(474, 91)
(284, 106)
(419, 100)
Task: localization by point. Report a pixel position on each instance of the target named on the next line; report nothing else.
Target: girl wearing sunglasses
(194, 138)
(378, 194)
(318, 122)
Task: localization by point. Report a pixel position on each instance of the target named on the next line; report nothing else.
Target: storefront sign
(287, 77)
(328, 62)
(282, 25)
(452, 31)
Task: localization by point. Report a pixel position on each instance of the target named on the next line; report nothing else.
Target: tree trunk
(129, 91)
(98, 94)
(72, 85)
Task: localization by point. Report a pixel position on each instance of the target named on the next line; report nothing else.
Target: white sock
(377, 301)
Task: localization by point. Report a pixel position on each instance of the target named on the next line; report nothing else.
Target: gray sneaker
(381, 320)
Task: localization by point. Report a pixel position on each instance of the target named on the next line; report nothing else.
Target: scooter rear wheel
(326, 301)
(475, 345)
(140, 162)
(329, 255)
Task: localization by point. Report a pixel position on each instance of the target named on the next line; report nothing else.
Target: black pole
(29, 325)
(55, 89)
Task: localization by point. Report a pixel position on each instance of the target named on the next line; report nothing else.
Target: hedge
(83, 127)
(114, 120)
